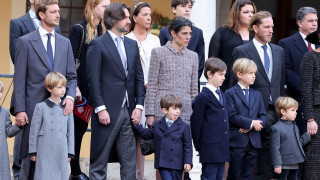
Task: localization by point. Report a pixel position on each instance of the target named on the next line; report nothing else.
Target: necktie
(169, 123)
(309, 47)
(218, 91)
(123, 58)
(246, 92)
(49, 51)
(266, 58)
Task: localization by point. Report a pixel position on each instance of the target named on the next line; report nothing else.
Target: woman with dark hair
(81, 35)
(139, 31)
(234, 34)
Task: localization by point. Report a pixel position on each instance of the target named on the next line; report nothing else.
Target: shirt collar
(212, 88)
(242, 87)
(258, 45)
(114, 36)
(44, 32)
(303, 36)
(32, 14)
(169, 120)
(171, 48)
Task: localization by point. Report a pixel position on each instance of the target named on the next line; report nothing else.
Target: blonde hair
(285, 103)
(243, 65)
(1, 86)
(53, 79)
(92, 31)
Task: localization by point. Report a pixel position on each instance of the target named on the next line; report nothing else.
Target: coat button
(163, 137)
(52, 129)
(225, 120)
(171, 149)
(60, 122)
(223, 109)
(172, 139)
(52, 121)
(226, 132)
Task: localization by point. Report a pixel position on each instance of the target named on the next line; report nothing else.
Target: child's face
(289, 114)
(58, 91)
(217, 78)
(183, 10)
(173, 113)
(246, 79)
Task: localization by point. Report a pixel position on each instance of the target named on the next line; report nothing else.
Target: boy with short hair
(6, 130)
(247, 115)
(51, 139)
(286, 143)
(209, 122)
(172, 140)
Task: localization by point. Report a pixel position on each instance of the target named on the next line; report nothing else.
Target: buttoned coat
(51, 140)
(241, 115)
(210, 127)
(172, 72)
(172, 145)
(31, 68)
(6, 130)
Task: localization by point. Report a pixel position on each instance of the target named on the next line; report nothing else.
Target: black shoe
(186, 176)
(81, 176)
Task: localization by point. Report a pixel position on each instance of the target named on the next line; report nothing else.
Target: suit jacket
(210, 127)
(108, 83)
(172, 145)
(31, 68)
(20, 27)
(286, 144)
(196, 44)
(241, 115)
(275, 88)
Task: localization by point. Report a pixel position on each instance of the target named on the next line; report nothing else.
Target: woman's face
(99, 9)
(183, 36)
(143, 19)
(246, 14)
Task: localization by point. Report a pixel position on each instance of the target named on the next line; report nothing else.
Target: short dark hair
(175, 3)
(135, 11)
(257, 19)
(114, 13)
(170, 100)
(177, 23)
(41, 6)
(214, 65)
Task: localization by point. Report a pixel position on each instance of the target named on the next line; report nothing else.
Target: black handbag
(147, 146)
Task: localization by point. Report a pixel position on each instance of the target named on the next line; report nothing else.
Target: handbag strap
(79, 51)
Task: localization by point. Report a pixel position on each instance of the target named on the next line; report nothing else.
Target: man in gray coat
(37, 54)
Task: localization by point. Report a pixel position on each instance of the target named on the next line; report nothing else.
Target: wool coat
(6, 130)
(51, 140)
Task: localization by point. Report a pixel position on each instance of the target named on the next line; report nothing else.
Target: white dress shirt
(213, 89)
(44, 37)
(305, 41)
(260, 50)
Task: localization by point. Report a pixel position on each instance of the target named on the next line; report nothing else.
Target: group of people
(134, 80)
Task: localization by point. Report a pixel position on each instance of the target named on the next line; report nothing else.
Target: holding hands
(277, 170)
(312, 127)
(22, 118)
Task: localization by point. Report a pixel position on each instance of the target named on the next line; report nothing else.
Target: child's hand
(135, 122)
(244, 130)
(69, 159)
(257, 125)
(187, 167)
(33, 158)
(277, 170)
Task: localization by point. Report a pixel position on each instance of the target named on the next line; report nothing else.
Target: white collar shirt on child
(169, 122)
(213, 89)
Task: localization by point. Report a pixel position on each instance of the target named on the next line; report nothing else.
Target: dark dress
(222, 43)
(310, 91)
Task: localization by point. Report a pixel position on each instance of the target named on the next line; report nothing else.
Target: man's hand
(244, 130)
(277, 170)
(33, 158)
(136, 116)
(312, 127)
(257, 125)
(22, 118)
(69, 159)
(78, 95)
(104, 117)
(150, 120)
(187, 167)
(69, 106)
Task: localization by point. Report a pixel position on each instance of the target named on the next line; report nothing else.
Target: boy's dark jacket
(172, 145)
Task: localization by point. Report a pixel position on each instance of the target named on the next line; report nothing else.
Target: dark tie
(49, 51)
(218, 91)
(169, 123)
(309, 47)
(123, 58)
(246, 94)
(266, 58)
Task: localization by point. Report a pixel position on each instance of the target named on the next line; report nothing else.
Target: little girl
(51, 140)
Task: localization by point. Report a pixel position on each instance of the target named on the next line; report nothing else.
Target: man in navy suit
(294, 48)
(196, 44)
(270, 75)
(115, 77)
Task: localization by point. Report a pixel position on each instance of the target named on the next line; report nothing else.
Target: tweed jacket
(6, 130)
(51, 140)
(172, 72)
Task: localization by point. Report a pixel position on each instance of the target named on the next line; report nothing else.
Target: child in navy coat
(172, 140)
(247, 116)
(209, 122)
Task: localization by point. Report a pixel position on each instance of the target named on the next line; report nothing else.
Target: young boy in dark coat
(172, 140)
(209, 122)
(247, 116)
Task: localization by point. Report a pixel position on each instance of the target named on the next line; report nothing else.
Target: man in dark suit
(294, 48)
(116, 85)
(38, 53)
(269, 78)
(196, 44)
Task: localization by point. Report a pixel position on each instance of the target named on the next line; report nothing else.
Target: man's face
(123, 25)
(309, 23)
(263, 32)
(51, 17)
(183, 10)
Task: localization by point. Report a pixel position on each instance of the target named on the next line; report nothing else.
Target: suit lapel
(239, 92)
(40, 50)
(163, 124)
(300, 44)
(211, 95)
(276, 60)
(129, 53)
(58, 51)
(27, 21)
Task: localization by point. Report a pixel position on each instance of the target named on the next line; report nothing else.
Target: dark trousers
(80, 128)
(16, 165)
(264, 165)
(170, 174)
(288, 174)
(243, 162)
(212, 171)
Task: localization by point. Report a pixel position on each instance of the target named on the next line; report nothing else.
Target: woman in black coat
(234, 34)
(81, 35)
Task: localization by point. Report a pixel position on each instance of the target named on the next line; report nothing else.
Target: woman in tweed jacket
(173, 70)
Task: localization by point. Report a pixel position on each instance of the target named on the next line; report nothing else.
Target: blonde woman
(81, 34)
